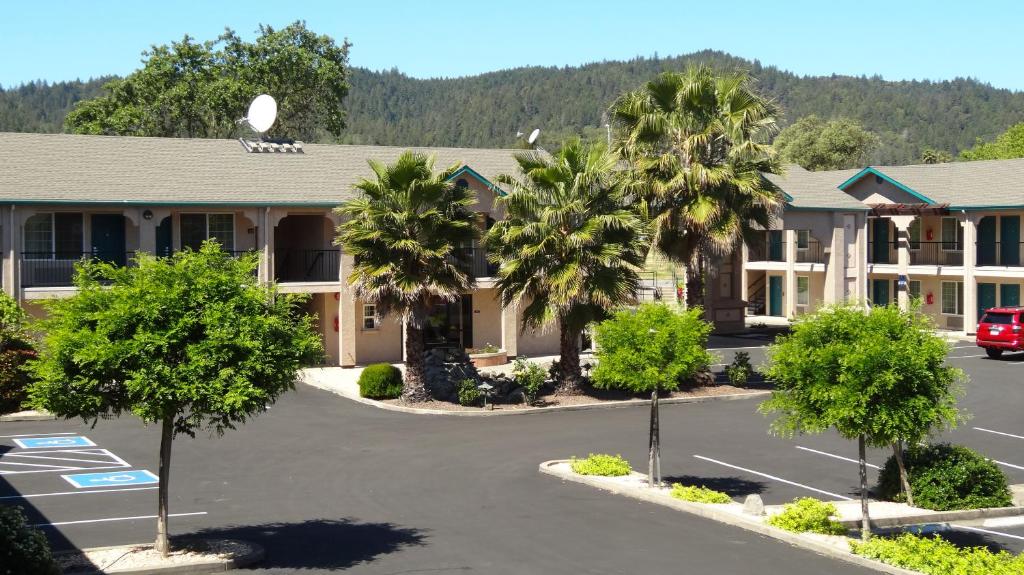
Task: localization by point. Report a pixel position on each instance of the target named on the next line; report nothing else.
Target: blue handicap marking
(111, 479)
(51, 442)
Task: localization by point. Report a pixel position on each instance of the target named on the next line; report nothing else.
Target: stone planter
(489, 359)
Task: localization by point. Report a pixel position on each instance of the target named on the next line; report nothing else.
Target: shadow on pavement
(318, 543)
(732, 486)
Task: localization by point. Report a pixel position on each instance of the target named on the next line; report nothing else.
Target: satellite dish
(533, 136)
(262, 113)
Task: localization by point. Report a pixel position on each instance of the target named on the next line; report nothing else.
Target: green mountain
(487, 110)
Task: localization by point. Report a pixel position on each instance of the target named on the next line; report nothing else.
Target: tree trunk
(695, 282)
(897, 452)
(166, 437)
(569, 372)
(865, 520)
(414, 388)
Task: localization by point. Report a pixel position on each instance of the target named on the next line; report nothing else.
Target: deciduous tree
(815, 144)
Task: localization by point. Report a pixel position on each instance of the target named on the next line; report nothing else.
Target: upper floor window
(803, 239)
(914, 233)
(197, 228)
(54, 236)
(952, 235)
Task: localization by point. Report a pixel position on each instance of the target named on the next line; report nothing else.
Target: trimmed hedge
(936, 556)
(808, 514)
(945, 477)
(380, 381)
(23, 550)
(603, 465)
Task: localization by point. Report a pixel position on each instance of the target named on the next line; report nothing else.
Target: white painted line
(829, 493)
(33, 456)
(990, 532)
(111, 462)
(107, 519)
(75, 441)
(748, 347)
(1009, 464)
(1003, 522)
(871, 465)
(39, 434)
(38, 465)
(999, 432)
(35, 495)
(964, 356)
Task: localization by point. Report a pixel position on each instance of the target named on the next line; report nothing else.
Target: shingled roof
(810, 190)
(45, 168)
(979, 184)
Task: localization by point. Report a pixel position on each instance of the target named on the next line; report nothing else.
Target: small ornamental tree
(16, 349)
(189, 342)
(879, 376)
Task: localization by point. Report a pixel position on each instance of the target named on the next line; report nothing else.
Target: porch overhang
(909, 209)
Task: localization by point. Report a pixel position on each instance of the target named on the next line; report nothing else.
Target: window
(369, 316)
(914, 233)
(197, 228)
(952, 298)
(803, 239)
(54, 236)
(803, 290)
(915, 289)
(952, 235)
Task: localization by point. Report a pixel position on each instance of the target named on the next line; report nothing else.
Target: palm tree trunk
(569, 372)
(166, 437)
(865, 517)
(695, 282)
(897, 452)
(414, 387)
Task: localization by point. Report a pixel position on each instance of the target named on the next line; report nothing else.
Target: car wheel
(994, 353)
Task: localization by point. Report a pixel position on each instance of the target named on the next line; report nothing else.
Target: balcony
(811, 252)
(296, 266)
(474, 262)
(57, 269)
(1005, 254)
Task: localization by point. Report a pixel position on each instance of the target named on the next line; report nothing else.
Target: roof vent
(265, 147)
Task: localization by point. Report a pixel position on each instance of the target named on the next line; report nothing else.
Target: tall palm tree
(569, 248)
(701, 142)
(406, 231)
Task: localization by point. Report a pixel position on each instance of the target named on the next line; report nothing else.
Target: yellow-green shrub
(808, 514)
(699, 494)
(601, 464)
(936, 556)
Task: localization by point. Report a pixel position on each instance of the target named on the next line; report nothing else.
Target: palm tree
(569, 248)
(701, 142)
(406, 231)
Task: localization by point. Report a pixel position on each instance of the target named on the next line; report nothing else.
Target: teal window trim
(872, 171)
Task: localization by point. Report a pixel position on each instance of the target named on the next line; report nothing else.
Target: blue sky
(898, 39)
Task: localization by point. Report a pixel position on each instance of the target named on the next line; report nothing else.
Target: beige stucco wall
(486, 318)
(383, 344)
(870, 191)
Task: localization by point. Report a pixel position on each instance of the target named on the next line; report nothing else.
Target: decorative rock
(753, 505)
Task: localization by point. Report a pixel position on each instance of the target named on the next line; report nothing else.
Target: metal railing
(474, 262)
(1007, 254)
(57, 269)
(811, 253)
(306, 265)
(936, 254)
(766, 251)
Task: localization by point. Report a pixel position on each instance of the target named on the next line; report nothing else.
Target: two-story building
(946, 233)
(67, 197)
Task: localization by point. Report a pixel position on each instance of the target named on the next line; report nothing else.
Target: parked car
(1001, 329)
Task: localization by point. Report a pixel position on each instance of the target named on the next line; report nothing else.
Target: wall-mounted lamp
(147, 215)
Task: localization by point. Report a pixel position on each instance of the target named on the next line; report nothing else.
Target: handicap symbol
(140, 477)
(37, 442)
(116, 479)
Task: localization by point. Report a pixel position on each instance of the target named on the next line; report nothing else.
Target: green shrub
(530, 377)
(652, 347)
(808, 514)
(604, 465)
(380, 381)
(699, 494)
(23, 550)
(15, 350)
(740, 370)
(468, 393)
(936, 556)
(944, 477)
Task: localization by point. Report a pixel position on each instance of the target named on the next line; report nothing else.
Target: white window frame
(370, 313)
(206, 220)
(956, 234)
(806, 293)
(956, 298)
(911, 290)
(807, 243)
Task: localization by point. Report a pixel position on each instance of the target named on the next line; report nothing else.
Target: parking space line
(35, 495)
(829, 493)
(108, 519)
(999, 432)
(110, 461)
(988, 531)
(53, 442)
(1008, 464)
(39, 434)
(833, 456)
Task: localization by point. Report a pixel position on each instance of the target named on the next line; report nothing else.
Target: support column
(347, 316)
(147, 230)
(789, 284)
(902, 224)
(744, 256)
(835, 263)
(510, 330)
(7, 242)
(970, 223)
(862, 261)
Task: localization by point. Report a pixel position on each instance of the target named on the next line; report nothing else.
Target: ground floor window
(803, 290)
(915, 289)
(952, 298)
(53, 235)
(369, 316)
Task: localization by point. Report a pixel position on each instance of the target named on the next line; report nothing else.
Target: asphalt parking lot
(326, 484)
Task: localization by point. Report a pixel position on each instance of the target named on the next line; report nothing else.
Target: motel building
(67, 197)
(949, 234)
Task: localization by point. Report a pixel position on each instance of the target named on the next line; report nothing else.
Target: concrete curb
(535, 410)
(716, 513)
(28, 416)
(939, 517)
(256, 554)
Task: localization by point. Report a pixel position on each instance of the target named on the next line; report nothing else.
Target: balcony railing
(306, 265)
(811, 252)
(936, 254)
(474, 262)
(1006, 254)
(57, 269)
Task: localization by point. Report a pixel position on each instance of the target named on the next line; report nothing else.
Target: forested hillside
(488, 109)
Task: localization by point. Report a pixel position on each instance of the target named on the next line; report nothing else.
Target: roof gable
(878, 174)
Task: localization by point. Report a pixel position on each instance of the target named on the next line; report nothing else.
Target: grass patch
(601, 464)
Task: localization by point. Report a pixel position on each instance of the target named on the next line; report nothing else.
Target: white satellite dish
(262, 113)
(533, 136)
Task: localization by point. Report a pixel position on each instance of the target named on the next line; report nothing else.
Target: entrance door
(775, 246)
(163, 238)
(108, 238)
(880, 245)
(986, 298)
(986, 241)
(450, 325)
(1009, 240)
(775, 295)
(880, 292)
(1009, 295)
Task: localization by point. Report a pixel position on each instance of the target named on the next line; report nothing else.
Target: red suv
(1001, 329)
